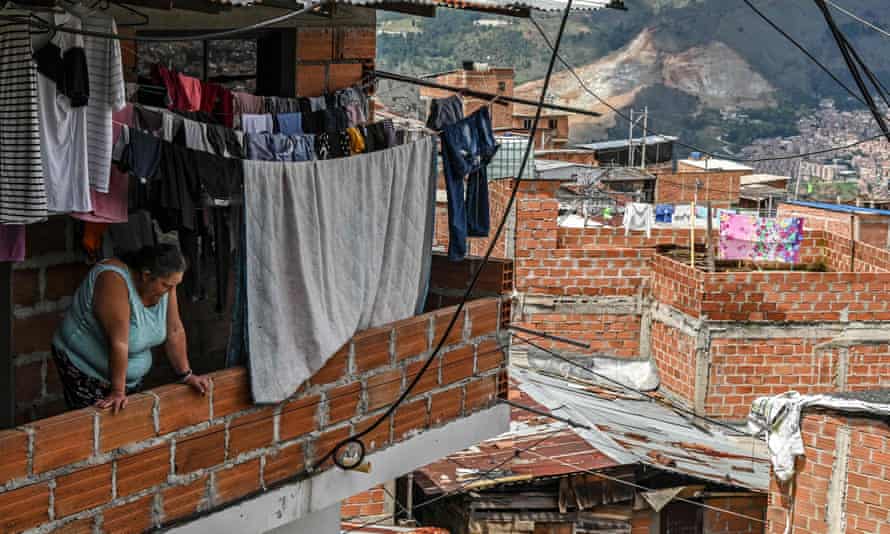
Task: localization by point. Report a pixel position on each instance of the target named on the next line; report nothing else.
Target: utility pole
(645, 133)
(692, 224)
(630, 141)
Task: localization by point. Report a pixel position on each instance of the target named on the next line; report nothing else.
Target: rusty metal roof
(467, 469)
(623, 430)
(357, 528)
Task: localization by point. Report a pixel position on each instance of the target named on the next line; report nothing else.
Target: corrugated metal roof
(624, 430)
(537, 5)
(844, 208)
(640, 431)
(468, 469)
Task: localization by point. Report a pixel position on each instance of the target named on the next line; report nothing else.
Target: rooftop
(714, 164)
(842, 208)
(623, 143)
(753, 179)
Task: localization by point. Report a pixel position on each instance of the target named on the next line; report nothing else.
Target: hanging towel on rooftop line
(318, 269)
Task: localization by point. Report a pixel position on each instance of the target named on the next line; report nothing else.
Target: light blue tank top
(83, 338)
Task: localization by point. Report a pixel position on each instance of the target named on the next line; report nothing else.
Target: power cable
(858, 18)
(729, 157)
(622, 385)
(461, 488)
(307, 7)
(806, 52)
(854, 62)
(355, 439)
(488, 474)
(644, 488)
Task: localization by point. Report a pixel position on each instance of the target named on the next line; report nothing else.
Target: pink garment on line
(190, 93)
(247, 103)
(12, 242)
(111, 207)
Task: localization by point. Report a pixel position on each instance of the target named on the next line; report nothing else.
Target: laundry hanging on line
(745, 237)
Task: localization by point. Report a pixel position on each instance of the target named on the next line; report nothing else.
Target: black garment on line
(147, 119)
(150, 94)
(198, 116)
(222, 178)
(68, 70)
(222, 247)
(224, 139)
(176, 190)
(142, 155)
(375, 137)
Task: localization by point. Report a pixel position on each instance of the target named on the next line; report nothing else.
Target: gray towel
(333, 247)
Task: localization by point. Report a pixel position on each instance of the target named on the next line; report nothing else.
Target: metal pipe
(551, 337)
(501, 99)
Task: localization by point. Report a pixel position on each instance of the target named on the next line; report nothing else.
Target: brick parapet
(176, 453)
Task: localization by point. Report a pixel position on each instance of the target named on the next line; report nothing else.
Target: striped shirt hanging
(107, 94)
(22, 189)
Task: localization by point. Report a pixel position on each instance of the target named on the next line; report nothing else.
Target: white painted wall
(292, 504)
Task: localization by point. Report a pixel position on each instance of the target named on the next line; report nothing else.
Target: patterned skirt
(80, 389)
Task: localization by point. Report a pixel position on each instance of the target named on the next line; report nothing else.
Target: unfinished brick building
(719, 339)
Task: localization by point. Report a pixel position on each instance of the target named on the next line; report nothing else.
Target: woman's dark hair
(157, 260)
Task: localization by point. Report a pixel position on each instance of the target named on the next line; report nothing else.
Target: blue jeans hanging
(467, 147)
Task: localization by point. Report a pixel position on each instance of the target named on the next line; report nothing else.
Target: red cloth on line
(190, 90)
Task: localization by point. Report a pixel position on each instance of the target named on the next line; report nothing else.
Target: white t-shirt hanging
(63, 135)
(107, 92)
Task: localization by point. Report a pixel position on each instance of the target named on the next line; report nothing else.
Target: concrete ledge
(294, 502)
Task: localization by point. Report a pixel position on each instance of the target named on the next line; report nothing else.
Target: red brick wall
(642, 522)
(677, 285)
(331, 58)
(578, 272)
(614, 237)
(172, 452)
(867, 495)
(722, 523)
(366, 505)
(674, 354)
(499, 195)
(744, 369)
(720, 187)
(796, 296)
(42, 289)
(615, 335)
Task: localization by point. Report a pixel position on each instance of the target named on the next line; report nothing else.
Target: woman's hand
(116, 400)
(199, 383)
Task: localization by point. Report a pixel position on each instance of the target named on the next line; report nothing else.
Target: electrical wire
(644, 488)
(854, 63)
(729, 157)
(488, 474)
(307, 7)
(806, 52)
(858, 18)
(493, 242)
(463, 487)
(622, 385)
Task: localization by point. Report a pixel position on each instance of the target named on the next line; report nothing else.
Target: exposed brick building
(841, 481)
